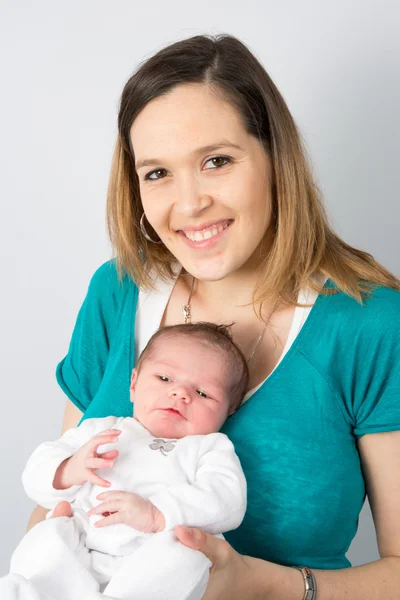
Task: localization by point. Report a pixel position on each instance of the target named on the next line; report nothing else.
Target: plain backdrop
(63, 66)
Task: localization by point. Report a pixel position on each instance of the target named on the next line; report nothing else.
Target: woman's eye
(202, 394)
(218, 159)
(163, 378)
(148, 175)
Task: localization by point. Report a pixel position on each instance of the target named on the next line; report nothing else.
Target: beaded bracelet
(309, 582)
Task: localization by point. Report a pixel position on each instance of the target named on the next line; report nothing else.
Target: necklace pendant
(186, 313)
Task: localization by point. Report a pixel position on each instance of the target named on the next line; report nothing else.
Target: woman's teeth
(205, 234)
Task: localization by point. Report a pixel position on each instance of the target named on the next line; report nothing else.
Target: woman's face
(205, 185)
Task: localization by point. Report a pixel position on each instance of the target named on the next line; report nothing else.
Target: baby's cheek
(206, 420)
(142, 406)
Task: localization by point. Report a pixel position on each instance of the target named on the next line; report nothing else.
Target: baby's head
(188, 380)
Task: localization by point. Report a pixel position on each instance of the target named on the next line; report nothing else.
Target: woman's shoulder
(340, 326)
(379, 309)
(356, 348)
(107, 276)
(107, 285)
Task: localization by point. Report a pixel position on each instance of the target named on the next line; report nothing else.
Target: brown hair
(304, 244)
(216, 336)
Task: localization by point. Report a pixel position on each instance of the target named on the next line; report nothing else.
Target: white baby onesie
(196, 481)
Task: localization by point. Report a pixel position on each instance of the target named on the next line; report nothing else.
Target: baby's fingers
(111, 506)
(98, 463)
(108, 432)
(110, 454)
(109, 520)
(101, 440)
(97, 480)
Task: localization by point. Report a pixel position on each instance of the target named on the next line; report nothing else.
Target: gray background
(62, 68)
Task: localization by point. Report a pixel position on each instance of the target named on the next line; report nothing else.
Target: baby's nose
(180, 393)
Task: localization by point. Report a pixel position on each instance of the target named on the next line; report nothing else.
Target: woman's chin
(209, 270)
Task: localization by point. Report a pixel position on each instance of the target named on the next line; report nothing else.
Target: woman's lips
(206, 237)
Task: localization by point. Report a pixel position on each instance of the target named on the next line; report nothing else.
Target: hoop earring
(144, 232)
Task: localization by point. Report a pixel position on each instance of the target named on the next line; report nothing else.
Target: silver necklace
(187, 307)
(187, 315)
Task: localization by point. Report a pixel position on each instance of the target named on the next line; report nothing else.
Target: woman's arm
(234, 576)
(72, 416)
(380, 458)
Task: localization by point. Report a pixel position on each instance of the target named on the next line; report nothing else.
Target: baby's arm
(56, 470)
(216, 499)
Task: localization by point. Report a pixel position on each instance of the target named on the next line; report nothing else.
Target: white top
(151, 307)
(195, 481)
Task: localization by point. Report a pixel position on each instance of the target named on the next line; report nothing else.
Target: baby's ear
(231, 411)
(133, 382)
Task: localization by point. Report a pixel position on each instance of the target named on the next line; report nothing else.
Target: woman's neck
(233, 295)
(233, 291)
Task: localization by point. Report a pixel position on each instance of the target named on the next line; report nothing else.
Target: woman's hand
(129, 508)
(232, 576)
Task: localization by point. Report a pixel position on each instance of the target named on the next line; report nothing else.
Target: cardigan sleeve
(81, 371)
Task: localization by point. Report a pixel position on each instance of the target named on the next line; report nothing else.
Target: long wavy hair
(304, 244)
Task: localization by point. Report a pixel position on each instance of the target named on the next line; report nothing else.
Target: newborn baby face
(182, 388)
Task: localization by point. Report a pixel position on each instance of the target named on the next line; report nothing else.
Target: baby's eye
(202, 394)
(163, 378)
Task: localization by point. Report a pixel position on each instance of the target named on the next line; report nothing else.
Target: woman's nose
(190, 199)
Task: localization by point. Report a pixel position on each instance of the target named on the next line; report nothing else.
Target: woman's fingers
(217, 550)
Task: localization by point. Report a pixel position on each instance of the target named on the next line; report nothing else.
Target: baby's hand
(128, 508)
(80, 468)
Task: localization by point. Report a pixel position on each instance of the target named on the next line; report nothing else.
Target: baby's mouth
(174, 411)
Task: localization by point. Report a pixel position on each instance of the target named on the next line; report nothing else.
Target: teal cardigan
(296, 435)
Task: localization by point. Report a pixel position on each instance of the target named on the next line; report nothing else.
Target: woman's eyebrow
(209, 148)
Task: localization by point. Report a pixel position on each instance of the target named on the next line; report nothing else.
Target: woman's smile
(205, 236)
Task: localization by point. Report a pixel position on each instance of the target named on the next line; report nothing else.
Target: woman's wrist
(38, 515)
(276, 582)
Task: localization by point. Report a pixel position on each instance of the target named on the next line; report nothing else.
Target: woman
(214, 215)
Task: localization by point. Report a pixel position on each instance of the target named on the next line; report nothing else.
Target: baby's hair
(217, 336)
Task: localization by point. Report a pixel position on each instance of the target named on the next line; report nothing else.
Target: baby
(165, 466)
